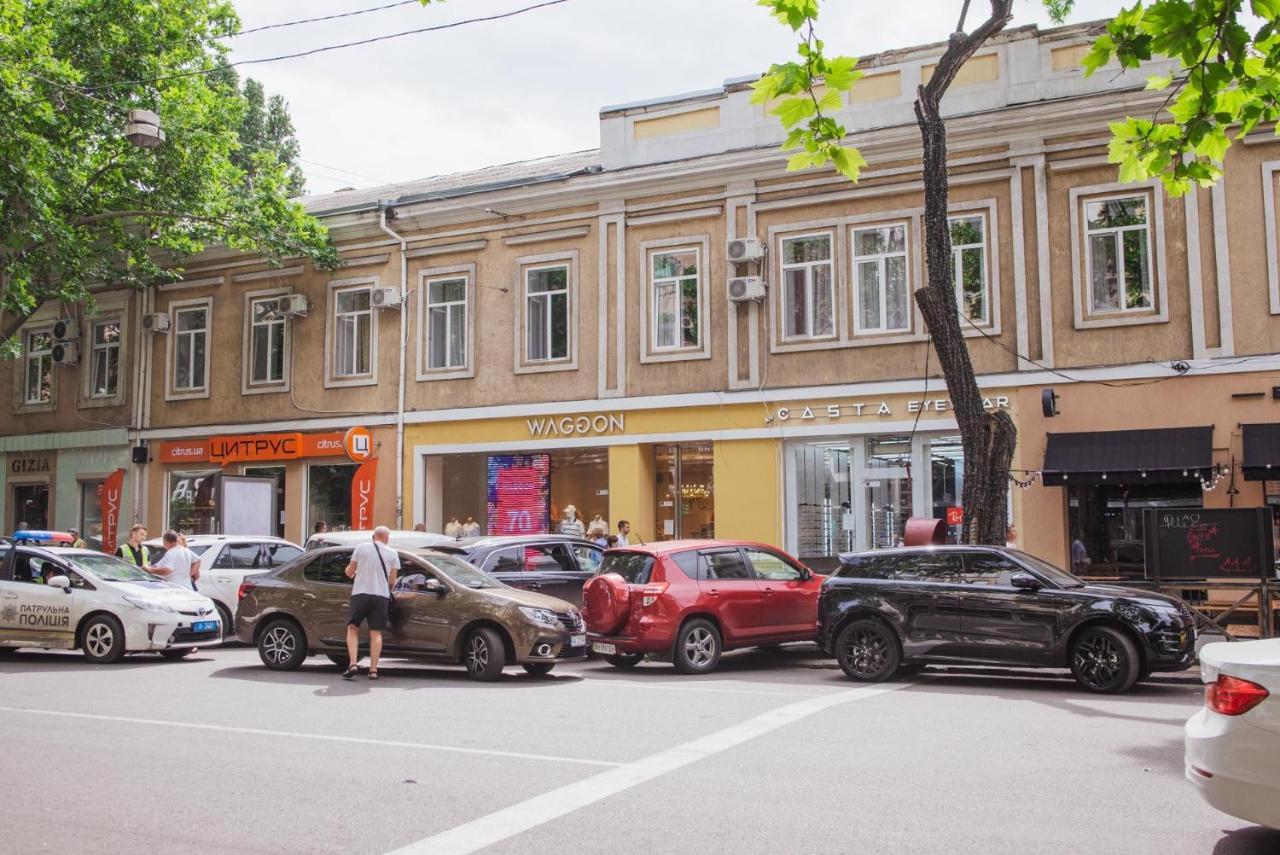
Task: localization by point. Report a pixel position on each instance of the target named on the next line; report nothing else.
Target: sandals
(351, 673)
(373, 673)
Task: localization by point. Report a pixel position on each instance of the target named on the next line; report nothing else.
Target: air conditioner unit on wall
(66, 328)
(745, 249)
(293, 306)
(156, 323)
(66, 353)
(385, 298)
(743, 289)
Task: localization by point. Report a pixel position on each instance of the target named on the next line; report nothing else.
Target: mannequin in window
(599, 522)
(570, 524)
(453, 529)
(471, 528)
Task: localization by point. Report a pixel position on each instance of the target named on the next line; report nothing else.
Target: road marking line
(539, 810)
(254, 731)
(694, 686)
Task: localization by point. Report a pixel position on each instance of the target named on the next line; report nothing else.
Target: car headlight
(149, 605)
(543, 616)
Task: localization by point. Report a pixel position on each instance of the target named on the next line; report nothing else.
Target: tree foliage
(80, 204)
(268, 127)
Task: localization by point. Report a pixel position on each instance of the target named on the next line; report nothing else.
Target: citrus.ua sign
(243, 448)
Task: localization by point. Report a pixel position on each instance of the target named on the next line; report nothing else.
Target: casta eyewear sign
(864, 409)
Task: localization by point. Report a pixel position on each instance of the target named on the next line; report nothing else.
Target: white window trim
(1269, 170)
(437, 274)
(112, 308)
(525, 264)
(247, 386)
(808, 266)
(23, 401)
(1085, 318)
(880, 258)
(987, 208)
(649, 352)
(91, 358)
(331, 378)
(1114, 233)
(172, 393)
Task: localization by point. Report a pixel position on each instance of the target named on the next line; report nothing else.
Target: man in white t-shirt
(178, 564)
(373, 566)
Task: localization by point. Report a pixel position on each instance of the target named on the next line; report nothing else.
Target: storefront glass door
(887, 480)
(684, 500)
(30, 506)
(825, 521)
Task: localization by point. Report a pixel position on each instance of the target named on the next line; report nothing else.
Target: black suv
(897, 609)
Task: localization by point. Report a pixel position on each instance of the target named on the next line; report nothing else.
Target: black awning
(1122, 456)
(1261, 452)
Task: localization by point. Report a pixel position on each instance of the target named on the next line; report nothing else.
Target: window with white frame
(546, 313)
(104, 360)
(353, 332)
(881, 283)
(969, 267)
(1118, 237)
(447, 323)
(37, 385)
(808, 287)
(675, 287)
(190, 348)
(267, 330)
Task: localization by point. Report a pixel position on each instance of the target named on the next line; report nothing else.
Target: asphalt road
(773, 754)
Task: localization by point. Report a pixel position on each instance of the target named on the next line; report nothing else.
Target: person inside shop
(1011, 537)
(570, 524)
(77, 542)
(597, 535)
(1079, 554)
(178, 565)
(132, 550)
(471, 528)
(611, 541)
(321, 527)
(624, 530)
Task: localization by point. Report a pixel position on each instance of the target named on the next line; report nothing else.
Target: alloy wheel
(700, 647)
(100, 639)
(477, 654)
(866, 652)
(279, 645)
(1097, 661)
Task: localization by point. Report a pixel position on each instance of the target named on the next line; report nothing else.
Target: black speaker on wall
(139, 454)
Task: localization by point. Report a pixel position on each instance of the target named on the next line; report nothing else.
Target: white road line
(695, 686)
(254, 731)
(519, 818)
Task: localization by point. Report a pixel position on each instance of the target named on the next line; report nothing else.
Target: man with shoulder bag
(373, 568)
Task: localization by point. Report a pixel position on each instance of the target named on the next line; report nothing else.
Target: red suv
(690, 600)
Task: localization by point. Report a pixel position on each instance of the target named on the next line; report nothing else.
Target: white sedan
(56, 598)
(1233, 744)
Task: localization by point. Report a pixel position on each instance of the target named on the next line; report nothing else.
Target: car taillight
(651, 592)
(245, 588)
(1233, 696)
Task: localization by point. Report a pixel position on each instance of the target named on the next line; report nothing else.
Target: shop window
(193, 502)
(824, 502)
(353, 332)
(268, 342)
(190, 342)
(30, 506)
(685, 497)
(104, 360)
(675, 293)
(808, 287)
(1106, 522)
(1118, 254)
(37, 384)
(329, 495)
(888, 489)
(91, 512)
(446, 323)
(547, 313)
(881, 282)
(969, 268)
(946, 478)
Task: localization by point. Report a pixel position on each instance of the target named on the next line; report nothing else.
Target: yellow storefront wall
(748, 496)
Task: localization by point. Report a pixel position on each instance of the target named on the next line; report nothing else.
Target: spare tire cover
(606, 602)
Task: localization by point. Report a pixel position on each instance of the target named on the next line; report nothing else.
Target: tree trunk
(988, 438)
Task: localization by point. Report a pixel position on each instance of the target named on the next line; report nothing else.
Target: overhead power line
(333, 17)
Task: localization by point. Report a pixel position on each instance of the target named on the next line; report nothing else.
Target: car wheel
(484, 654)
(341, 660)
(698, 647)
(867, 651)
(539, 669)
(282, 646)
(178, 654)
(228, 624)
(625, 661)
(1104, 660)
(103, 640)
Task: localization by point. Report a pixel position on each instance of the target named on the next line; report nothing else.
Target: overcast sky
(531, 85)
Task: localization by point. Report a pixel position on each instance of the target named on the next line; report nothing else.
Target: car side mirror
(1025, 582)
(60, 581)
(805, 574)
(435, 586)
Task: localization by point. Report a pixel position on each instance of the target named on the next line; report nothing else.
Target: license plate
(577, 641)
(204, 626)
(607, 649)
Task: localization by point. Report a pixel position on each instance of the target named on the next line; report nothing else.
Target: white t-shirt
(179, 560)
(369, 576)
(622, 539)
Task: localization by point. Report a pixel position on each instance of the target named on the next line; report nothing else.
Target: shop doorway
(276, 473)
(30, 506)
(1107, 520)
(685, 497)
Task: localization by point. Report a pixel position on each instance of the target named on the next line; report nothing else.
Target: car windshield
(1057, 576)
(461, 572)
(635, 567)
(108, 568)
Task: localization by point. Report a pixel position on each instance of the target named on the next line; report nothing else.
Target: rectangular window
(546, 313)
(191, 343)
(105, 360)
(329, 495)
(969, 267)
(193, 501)
(1118, 238)
(675, 299)
(91, 512)
(353, 326)
(808, 287)
(880, 277)
(447, 323)
(37, 387)
(267, 330)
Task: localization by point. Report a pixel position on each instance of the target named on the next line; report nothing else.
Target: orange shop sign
(246, 448)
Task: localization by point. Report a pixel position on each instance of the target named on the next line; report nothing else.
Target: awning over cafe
(1156, 456)
(1261, 452)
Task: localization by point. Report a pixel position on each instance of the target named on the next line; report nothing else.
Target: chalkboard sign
(1202, 543)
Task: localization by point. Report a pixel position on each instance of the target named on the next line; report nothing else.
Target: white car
(399, 539)
(58, 598)
(1233, 744)
(226, 560)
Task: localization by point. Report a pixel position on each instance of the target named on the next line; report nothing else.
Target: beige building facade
(575, 331)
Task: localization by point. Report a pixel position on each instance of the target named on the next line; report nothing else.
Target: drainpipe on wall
(383, 206)
(135, 432)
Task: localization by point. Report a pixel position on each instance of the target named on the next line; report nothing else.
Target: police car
(55, 597)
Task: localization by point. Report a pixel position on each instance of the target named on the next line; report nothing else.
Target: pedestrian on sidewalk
(373, 566)
(77, 542)
(178, 565)
(132, 549)
(624, 529)
(1079, 554)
